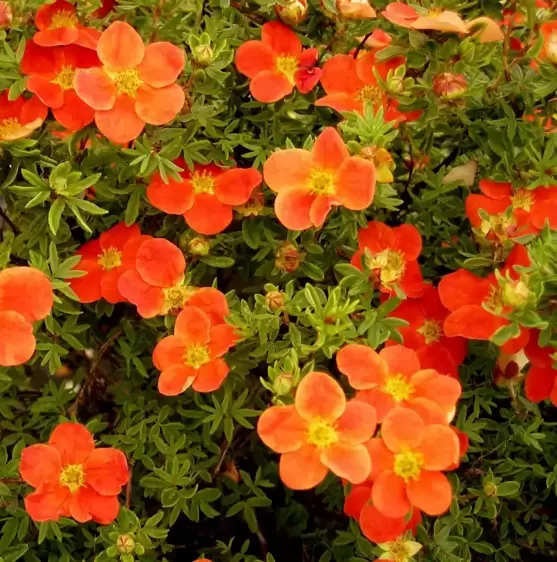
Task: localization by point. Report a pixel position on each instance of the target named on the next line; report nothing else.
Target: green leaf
(507, 488)
(217, 261)
(55, 214)
(132, 208)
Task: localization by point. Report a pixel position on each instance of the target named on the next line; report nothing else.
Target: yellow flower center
(431, 331)
(322, 182)
(8, 127)
(127, 81)
(398, 387)
(65, 77)
(72, 477)
(408, 465)
(175, 298)
(110, 259)
(321, 434)
(197, 356)
(203, 183)
(63, 19)
(397, 551)
(500, 225)
(370, 93)
(288, 66)
(390, 263)
(495, 301)
(522, 199)
(435, 12)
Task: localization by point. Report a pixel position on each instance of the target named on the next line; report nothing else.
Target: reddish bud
(6, 15)
(287, 258)
(449, 86)
(293, 12)
(274, 300)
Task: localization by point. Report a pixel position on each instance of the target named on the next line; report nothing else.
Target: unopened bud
(449, 86)
(6, 15)
(384, 163)
(516, 294)
(490, 489)
(253, 206)
(199, 246)
(125, 544)
(293, 12)
(203, 54)
(288, 258)
(283, 384)
(274, 300)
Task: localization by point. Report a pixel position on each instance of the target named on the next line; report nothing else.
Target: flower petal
(160, 263)
(408, 241)
(193, 325)
(211, 376)
(169, 351)
(539, 383)
(329, 151)
(162, 64)
(88, 287)
(120, 46)
(270, 86)
(102, 509)
(235, 186)
(320, 208)
(439, 446)
(356, 183)
(73, 441)
(293, 207)
(149, 300)
(356, 499)
(95, 88)
(282, 429)
(473, 322)
(208, 215)
(357, 424)
(382, 460)
(432, 493)
(287, 168)
(253, 57)
(47, 504)
(223, 337)
(50, 94)
(400, 360)
(389, 495)
(402, 429)
(462, 288)
(39, 464)
(440, 389)
(280, 39)
(302, 469)
(173, 198)
(121, 123)
(382, 402)
(362, 365)
(212, 302)
(158, 106)
(351, 462)
(176, 379)
(378, 528)
(74, 114)
(106, 471)
(319, 396)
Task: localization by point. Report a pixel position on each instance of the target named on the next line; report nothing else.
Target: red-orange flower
(154, 281)
(394, 378)
(309, 183)
(351, 83)
(104, 259)
(25, 297)
(479, 305)
(320, 432)
(20, 117)
(51, 72)
(375, 526)
(277, 63)
(529, 210)
(408, 460)
(425, 334)
(135, 85)
(206, 196)
(57, 24)
(391, 254)
(541, 380)
(72, 478)
(437, 19)
(193, 355)
(549, 49)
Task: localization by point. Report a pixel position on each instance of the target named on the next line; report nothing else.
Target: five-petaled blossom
(277, 63)
(309, 183)
(408, 459)
(104, 260)
(438, 19)
(393, 377)
(57, 25)
(479, 305)
(425, 333)
(193, 355)
(25, 297)
(51, 72)
(136, 84)
(20, 117)
(391, 255)
(155, 282)
(72, 478)
(206, 196)
(322, 431)
(512, 213)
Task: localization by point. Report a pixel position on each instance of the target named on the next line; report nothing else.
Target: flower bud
(449, 86)
(283, 384)
(384, 163)
(551, 47)
(490, 489)
(6, 15)
(253, 206)
(287, 258)
(230, 471)
(292, 12)
(274, 300)
(516, 294)
(203, 54)
(125, 544)
(199, 246)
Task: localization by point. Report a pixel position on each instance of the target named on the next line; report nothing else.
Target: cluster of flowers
(395, 475)
(84, 75)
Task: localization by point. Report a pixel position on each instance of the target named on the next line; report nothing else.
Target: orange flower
(355, 9)
(320, 432)
(529, 210)
(51, 72)
(154, 281)
(391, 255)
(393, 378)
(309, 183)
(437, 19)
(20, 117)
(541, 380)
(104, 260)
(277, 63)
(193, 355)
(424, 334)
(25, 297)
(351, 83)
(549, 49)
(206, 196)
(57, 24)
(408, 460)
(72, 478)
(479, 305)
(375, 526)
(135, 85)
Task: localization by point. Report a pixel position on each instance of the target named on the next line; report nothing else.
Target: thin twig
(224, 451)
(507, 41)
(362, 43)
(9, 221)
(129, 490)
(12, 481)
